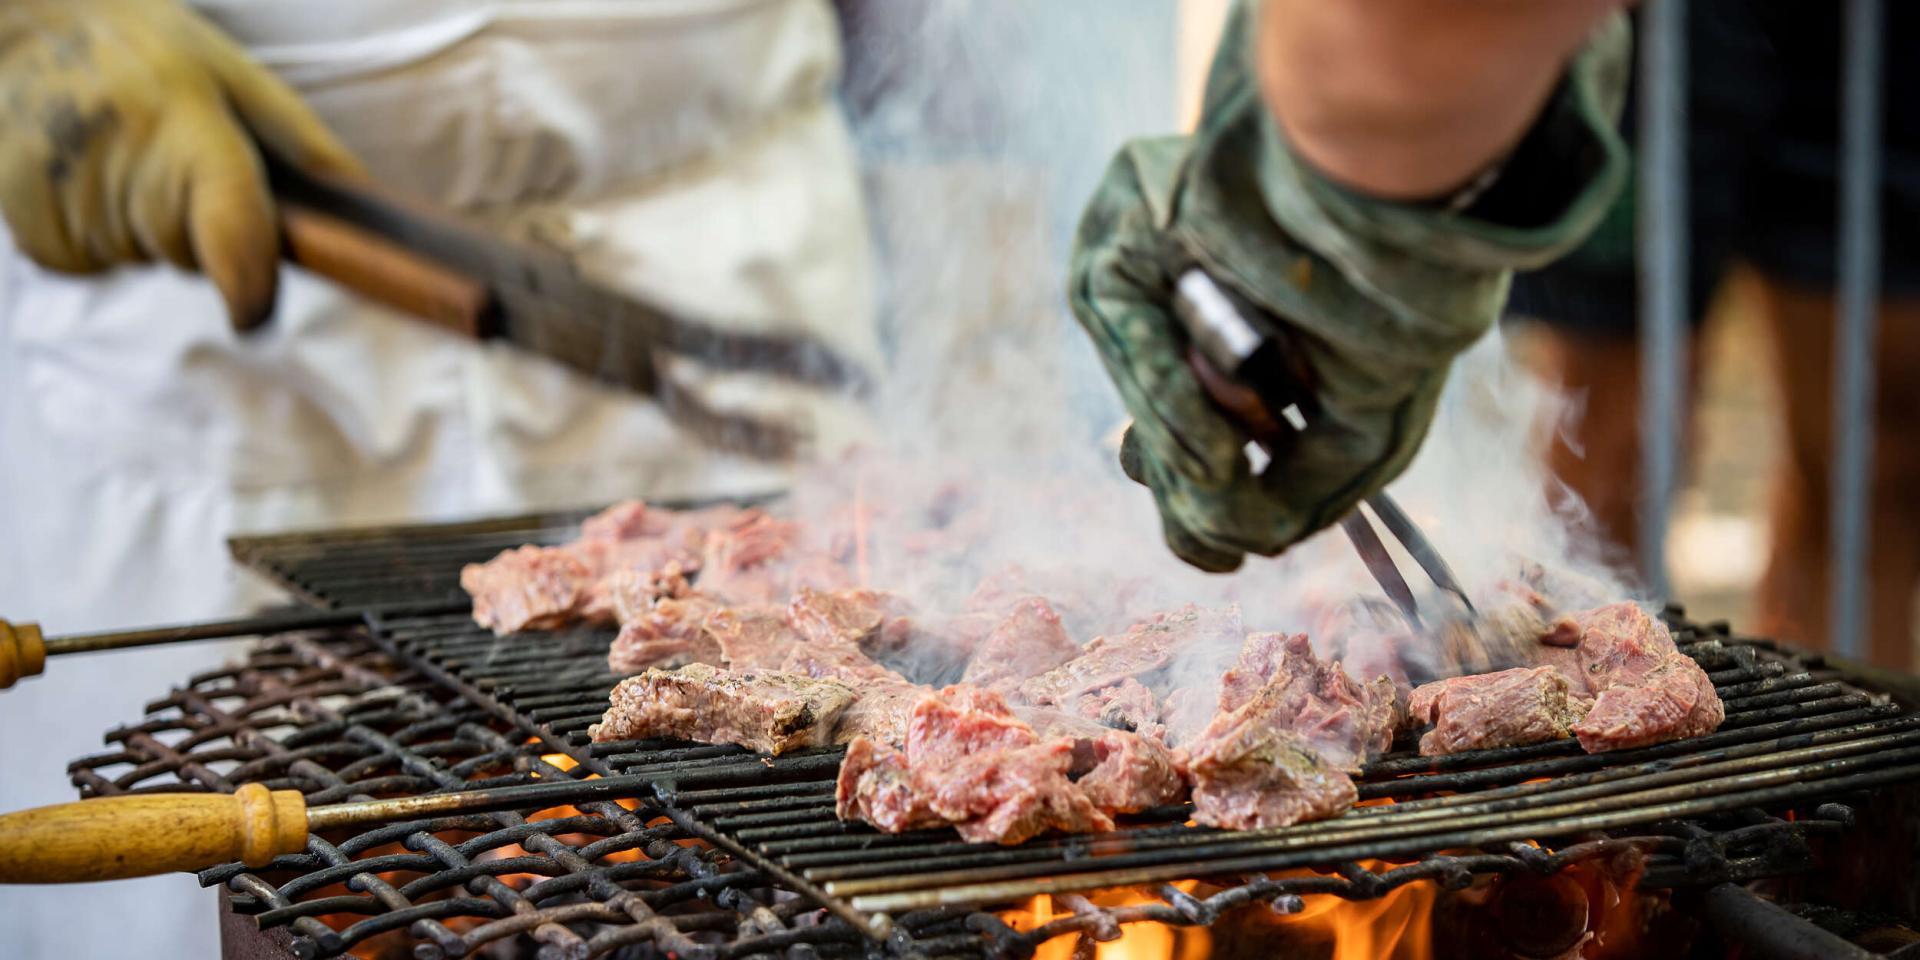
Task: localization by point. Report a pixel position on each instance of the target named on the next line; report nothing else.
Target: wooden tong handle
(383, 271)
(23, 652)
(113, 838)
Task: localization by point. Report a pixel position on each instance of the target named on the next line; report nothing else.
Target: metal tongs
(1250, 375)
(433, 266)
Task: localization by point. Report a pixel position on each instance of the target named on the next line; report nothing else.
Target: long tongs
(434, 266)
(1250, 375)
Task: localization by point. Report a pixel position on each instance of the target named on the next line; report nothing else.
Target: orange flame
(1398, 925)
(1138, 941)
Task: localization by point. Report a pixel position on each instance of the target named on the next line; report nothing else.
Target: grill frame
(532, 696)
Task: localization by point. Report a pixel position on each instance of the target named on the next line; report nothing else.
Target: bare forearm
(1410, 99)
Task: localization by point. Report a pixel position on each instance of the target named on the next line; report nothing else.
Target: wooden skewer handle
(384, 271)
(23, 652)
(113, 838)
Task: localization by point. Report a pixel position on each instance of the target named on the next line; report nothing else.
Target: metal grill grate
(734, 855)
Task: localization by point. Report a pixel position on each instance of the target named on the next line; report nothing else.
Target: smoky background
(983, 126)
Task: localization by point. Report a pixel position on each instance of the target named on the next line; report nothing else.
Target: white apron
(688, 150)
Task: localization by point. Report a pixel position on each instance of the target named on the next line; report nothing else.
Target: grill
(733, 855)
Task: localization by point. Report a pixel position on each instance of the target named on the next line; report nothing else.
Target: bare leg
(1793, 597)
(1598, 455)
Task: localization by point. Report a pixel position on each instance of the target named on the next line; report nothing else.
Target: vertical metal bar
(1663, 260)
(1858, 297)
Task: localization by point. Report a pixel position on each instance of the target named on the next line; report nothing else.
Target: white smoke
(984, 125)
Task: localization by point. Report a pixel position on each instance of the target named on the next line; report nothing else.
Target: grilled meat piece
(1028, 641)
(876, 786)
(1120, 771)
(760, 559)
(840, 617)
(843, 661)
(752, 638)
(1250, 775)
(1127, 705)
(537, 588)
(969, 761)
(1280, 683)
(769, 712)
(881, 712)
(1506, 709)
(527, 588)
(1011, 796)
(1645, 690)
(1131, 773)
(1145, 648)
(631, 593)
(1671, 700)
(670, 633)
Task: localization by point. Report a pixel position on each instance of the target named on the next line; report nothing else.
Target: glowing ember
(1137, 941)
(1398, 925)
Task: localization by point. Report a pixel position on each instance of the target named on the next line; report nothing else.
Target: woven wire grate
(735, 856)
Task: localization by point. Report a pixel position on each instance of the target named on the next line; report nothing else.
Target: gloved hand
(1375, 297)
(129, 135)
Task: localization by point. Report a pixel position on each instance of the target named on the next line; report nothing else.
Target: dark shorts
(1763, 155)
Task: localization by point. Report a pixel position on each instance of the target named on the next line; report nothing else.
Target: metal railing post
(1663, 261)
(1857, 300)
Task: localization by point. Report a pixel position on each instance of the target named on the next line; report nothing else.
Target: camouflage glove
(129, 136)
(1375, 297)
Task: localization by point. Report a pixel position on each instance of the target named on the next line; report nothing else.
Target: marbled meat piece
(1310, 697)
(752, 638)
(1127, 705)
(1145, 648)
(970, 762)
(1645, 690)
(839, 616)
(844, 661)
(1120, 771)
(631, 593)
(766, 712)
(881, 713)
(1011, 796)
(1028, 641)
(527, 588)
(670, 633)
(761, 559)
(1248, 776)
(875, 786)
(542, 587)
(832, 628)
(1370, 637)
(1506, 709)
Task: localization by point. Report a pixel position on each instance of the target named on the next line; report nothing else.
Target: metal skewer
(24, 647)
(114, 838)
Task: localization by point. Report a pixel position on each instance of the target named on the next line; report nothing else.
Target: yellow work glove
(129, 136)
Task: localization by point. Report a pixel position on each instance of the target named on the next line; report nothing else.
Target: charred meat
(1506, 709)
(769, 713)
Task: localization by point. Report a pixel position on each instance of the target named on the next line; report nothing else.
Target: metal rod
(1379, 562)
(263, 624)
(990, 892)
(1763, 930)
(1648, 792)
(1663, 261)
(1850, 590)
(1418, 546)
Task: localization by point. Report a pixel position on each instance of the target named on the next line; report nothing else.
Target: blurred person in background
(1763, 153)
(689, 152)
